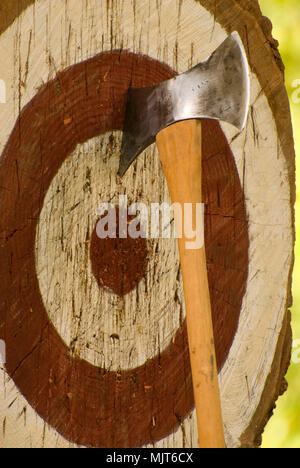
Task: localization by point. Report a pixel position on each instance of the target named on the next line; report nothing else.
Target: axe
(170, 114)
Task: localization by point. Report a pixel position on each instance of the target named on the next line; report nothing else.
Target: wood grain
(46, 39)
(59, 385)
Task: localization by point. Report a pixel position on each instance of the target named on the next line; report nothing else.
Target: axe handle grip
(180, 148)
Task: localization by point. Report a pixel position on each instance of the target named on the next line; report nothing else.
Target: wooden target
(95, 333)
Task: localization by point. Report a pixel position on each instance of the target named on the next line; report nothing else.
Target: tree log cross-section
(95, 333)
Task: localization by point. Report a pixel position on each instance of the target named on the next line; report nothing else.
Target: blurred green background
(283, 431)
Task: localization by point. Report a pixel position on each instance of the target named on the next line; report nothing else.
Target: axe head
(218, 88)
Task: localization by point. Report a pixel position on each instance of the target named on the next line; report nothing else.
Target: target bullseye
(118, 263)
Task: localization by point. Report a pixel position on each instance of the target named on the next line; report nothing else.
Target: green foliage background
(283, 431)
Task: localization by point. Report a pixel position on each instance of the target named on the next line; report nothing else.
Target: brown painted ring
(89, 405)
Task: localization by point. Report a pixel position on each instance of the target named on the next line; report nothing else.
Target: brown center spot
(118, 264)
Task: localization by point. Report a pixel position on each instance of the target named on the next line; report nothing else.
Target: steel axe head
(218, 88)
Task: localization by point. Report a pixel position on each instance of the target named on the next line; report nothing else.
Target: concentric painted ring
(89, 405)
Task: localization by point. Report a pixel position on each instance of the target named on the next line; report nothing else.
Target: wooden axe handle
(180, 148)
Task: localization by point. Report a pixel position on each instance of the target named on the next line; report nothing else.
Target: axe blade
(218, 88)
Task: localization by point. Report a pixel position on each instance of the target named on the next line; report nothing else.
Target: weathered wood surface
(61, 162)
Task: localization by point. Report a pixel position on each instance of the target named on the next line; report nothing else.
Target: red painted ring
(85, 404)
